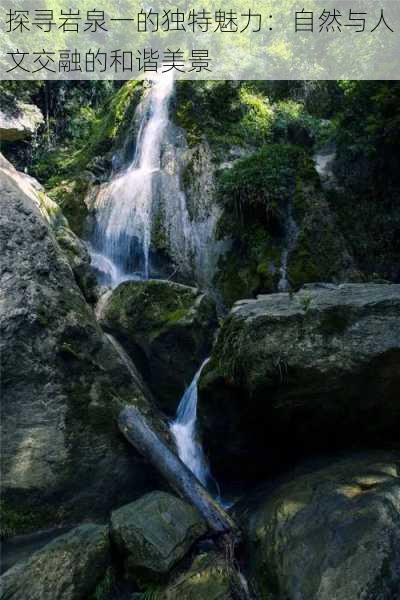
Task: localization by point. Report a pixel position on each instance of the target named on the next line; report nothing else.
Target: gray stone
(19, 122)
(79, 259)
(315, 370)
(67, 568)
(61, 378)
(331, 534)
(167, 328)
(155, 532)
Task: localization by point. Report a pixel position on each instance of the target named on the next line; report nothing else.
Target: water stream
(184, 430)
(291, 234)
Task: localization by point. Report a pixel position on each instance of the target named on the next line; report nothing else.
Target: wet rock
(154, 533)
(67, 568)
(293, 374)
(167, 328)
(19, 120)
(331, 534)
(62, 456)
(79, 259)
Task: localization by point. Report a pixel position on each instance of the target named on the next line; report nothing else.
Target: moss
(224, 113)
(301, 265)
(17, 520)
(70, 195)
(318, 254)
(107, 127)
(259, 187)
(160, 305)
(254, 195)
(158, 235)
(51, 210)
(250, 270)
(176, 315)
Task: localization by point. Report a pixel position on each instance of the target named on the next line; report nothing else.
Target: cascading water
(146, 204)
(291, 234)
(122, 237)
(184, 430)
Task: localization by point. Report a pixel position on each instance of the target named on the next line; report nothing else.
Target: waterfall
(122, 237)
(184, 430)
(291, 234)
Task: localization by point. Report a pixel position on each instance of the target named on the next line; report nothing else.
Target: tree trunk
(137, 431)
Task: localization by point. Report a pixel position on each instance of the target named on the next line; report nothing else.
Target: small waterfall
(122, 237)
(184, 430)
(291, 233)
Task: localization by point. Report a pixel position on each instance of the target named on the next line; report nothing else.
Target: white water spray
(184, 430)
(124, 206)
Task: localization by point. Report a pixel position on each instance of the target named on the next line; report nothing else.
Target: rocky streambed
(299, 403)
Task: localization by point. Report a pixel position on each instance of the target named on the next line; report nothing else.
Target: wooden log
(137, 431)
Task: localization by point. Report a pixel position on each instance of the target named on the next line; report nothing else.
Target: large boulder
(18, 121)
(293, 374)
(154, 533)
(167, 329)
(330, 534)
(67, 568)
(62, 378)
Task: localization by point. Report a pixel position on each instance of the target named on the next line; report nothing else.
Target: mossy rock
(254, 195)
(154, 534)
(167, 328)
(62, 380)
(321, 252)
(70, 196)
(332, 531)
(288, 371)
(67, 568)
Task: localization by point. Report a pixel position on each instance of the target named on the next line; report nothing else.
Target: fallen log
(137, 431)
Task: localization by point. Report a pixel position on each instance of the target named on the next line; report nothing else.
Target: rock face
(155, 532)
(299, 373)
(66, 569)
(332, 534)
(79, 259)
(18, 121)
(61, 377)
(167, 329)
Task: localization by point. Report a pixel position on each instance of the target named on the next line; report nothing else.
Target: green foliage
(368, 167)
(106, 126)
(292, 123)
(259, 186)
(91, 130)
(254, 194)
